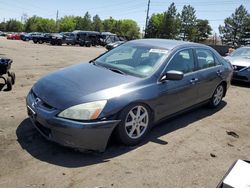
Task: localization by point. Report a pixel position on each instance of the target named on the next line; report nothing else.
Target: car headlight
(86, 111)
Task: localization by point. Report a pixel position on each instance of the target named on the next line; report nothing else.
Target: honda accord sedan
(126, 91)
(240, 60)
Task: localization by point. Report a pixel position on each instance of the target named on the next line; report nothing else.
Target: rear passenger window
(205, 58)
(182, 61)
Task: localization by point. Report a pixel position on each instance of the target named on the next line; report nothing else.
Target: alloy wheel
(136, 122)
(218, 95)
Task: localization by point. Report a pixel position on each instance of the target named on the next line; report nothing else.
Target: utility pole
(147, 17)
(57, 13)
(57, 16)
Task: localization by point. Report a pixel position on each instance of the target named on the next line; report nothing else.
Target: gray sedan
(126, 91)
(240, 60)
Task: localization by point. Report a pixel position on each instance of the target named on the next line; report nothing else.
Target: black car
(56, 39)
(126, 91)
(42, 38)
(87, 38)
(69, 38)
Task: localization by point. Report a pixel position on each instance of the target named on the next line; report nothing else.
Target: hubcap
(136, 122)
(218, 95)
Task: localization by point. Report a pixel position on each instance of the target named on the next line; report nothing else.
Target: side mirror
(172, 75)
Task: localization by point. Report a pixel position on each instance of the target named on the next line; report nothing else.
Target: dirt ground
(192, 150)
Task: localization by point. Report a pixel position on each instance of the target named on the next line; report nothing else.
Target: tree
(108, 24)
(86, 22)
(97, 23)
(35, 23)
(171, 23)
(235, 27)
(67, 23)
(203, 30)
(46, 25)
(188, 22)
(2, 26)
(128, 29)
(153, 29)
(14, 26)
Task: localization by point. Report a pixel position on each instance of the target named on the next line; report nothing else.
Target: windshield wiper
(116, 70)
(93, 62)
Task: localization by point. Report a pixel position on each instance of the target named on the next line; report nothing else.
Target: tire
(134, 125)
(218, 94)
(40, 41)
(13, 78)
(9, 84)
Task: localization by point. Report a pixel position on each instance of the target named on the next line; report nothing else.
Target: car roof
(166, 43)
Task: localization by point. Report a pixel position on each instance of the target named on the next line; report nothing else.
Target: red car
(14, 36)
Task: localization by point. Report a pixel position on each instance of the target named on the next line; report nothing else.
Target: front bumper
(79, 135)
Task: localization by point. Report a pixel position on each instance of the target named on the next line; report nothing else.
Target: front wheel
(135, 124)
(217, 96)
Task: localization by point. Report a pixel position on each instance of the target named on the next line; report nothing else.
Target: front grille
(41, 102)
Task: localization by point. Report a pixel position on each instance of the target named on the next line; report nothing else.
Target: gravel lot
(192, 150)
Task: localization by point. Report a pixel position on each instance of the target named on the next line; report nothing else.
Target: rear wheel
(217, 96)
(135, 124)
(9, 84)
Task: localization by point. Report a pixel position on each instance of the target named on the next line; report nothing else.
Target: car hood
(80, 84)
(239, 61)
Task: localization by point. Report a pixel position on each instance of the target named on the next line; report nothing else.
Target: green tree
(46, 25)
(67, 23)
(235, 27)
(31, 24)
(14, 26)
(203, 30)
(188, 23)
(153, 29)
(97, 23)
(108, 24)
(171, 23)
(2, 26)
(86, 22)
(129, 29)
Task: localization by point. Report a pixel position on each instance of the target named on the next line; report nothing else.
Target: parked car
(56, 39)
(107, 38)
(87, 38)
(112, 45)
(29, 36)
(126, 91)
(42, 38)
(69, 38)
(240, 60)
(2, 34)
(14, 36)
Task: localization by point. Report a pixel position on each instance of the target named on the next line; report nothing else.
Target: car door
(209, 73)
(180, 94)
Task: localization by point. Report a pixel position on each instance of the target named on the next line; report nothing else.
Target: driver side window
(182, 61)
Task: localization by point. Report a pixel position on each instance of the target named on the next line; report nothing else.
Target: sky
(215, 11)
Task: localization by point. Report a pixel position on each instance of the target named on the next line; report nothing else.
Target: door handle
(219, 72)
(194, 80)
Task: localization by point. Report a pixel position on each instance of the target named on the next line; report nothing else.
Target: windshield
(140, 61)
(241, 52)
